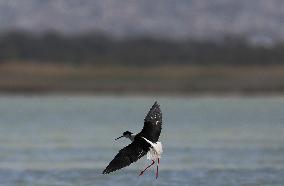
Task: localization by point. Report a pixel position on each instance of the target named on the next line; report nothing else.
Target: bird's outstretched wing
(126, 156)
(152, 124)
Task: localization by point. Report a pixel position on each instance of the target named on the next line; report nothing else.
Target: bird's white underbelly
(155, 151)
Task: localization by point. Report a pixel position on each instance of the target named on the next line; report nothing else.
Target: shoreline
(140, 94)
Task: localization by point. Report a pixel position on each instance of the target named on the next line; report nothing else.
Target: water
(68, 140)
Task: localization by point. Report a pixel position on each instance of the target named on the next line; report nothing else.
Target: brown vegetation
(34, 77)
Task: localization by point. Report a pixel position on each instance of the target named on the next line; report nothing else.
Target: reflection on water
(67, 140)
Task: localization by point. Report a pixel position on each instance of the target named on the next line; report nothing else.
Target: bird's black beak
(119, 137)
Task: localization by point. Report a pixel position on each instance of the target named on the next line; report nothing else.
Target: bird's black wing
(152, 124)
(127, 155)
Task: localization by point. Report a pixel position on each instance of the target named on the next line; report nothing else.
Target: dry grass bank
(34, 77)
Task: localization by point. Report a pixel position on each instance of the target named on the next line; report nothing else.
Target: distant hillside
(260, 20)
(97, 49)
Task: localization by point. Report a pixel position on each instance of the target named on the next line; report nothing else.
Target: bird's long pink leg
(157, 173)
(147, 168)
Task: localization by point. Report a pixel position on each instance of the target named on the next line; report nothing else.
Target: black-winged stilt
(145, 142)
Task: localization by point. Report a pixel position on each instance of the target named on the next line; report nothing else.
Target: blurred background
(75, 74)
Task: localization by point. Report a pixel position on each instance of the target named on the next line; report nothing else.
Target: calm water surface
(68, 140)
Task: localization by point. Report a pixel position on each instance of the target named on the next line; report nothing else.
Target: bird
(145, 142)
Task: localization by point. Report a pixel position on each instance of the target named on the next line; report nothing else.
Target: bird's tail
(155, 152)
(158, 147)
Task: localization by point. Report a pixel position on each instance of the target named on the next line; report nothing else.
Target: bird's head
(126, 134)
